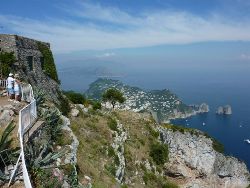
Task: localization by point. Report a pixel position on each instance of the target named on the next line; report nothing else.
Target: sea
(212, 85)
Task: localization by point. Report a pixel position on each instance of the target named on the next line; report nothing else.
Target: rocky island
(226, 110)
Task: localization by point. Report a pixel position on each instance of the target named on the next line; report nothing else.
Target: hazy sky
(141, 30)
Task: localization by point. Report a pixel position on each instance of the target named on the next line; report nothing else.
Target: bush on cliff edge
(159, 153)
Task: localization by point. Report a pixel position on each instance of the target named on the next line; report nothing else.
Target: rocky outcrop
(118, 145)
(74, 112)
(226, 110)
(196, 109)
(193, 160)
(70, 157)
(8, 111)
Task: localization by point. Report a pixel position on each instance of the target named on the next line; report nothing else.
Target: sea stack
(220, 110)
(203, 108)
(226, 110)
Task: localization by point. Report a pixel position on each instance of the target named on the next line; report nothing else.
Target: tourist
(17, 88)
(10, 86)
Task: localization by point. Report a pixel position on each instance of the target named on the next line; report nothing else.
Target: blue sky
(105, 27)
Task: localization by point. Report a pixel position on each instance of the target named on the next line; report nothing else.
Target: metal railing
(27, 92)
(3, 83)
(27, 117)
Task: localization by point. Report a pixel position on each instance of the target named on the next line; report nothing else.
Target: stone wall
(8, 43)
(24, 48)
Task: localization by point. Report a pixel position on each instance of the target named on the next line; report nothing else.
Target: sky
(141, 30)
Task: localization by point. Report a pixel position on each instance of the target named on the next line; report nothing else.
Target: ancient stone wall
(8, 43)
(29, 63)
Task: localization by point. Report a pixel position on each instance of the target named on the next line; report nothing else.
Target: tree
(113, 96)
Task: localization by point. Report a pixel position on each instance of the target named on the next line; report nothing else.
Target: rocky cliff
(195, 163)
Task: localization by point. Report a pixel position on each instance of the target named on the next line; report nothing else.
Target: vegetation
(8, 153)
(151, 180)
(100, 162)
(182, 129)
(6, 62)
(44, 178)
(64, 106)
(112, 123)
(49, 66)
(113, 96)
(96, 105)
(5, 141)
(217, 146)
(74, 97)
(41, 153)
(159, 153)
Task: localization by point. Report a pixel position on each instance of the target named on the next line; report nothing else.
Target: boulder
(6, 117)
(74, 112)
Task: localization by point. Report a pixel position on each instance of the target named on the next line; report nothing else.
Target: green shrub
(112, 124)
(159, 153)
(154, 133)
(76, 98)
(97, 105)
(149, 177)
(116, 160)
(169, 185)
(124, 186)
(64, 106)
(49, 66)
(63, 139)
(45, 179)
(111, 151)
(7, 60)
(111, 169)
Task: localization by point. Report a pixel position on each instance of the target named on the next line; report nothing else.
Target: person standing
(10, 86)
(17, 88)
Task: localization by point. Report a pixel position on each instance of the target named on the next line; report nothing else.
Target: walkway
(25, 115)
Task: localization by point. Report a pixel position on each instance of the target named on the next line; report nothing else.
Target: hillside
(125, 149)
(163, 103)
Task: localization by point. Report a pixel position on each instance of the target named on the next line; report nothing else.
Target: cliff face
(195, 163)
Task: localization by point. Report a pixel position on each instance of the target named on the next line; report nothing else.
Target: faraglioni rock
(227, 110)
(203, 108)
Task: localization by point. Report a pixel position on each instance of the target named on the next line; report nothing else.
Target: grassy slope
(95, 139)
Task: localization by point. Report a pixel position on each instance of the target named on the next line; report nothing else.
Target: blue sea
(217, 86)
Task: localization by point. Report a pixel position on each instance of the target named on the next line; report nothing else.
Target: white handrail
(27, 117)
(3, 83)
